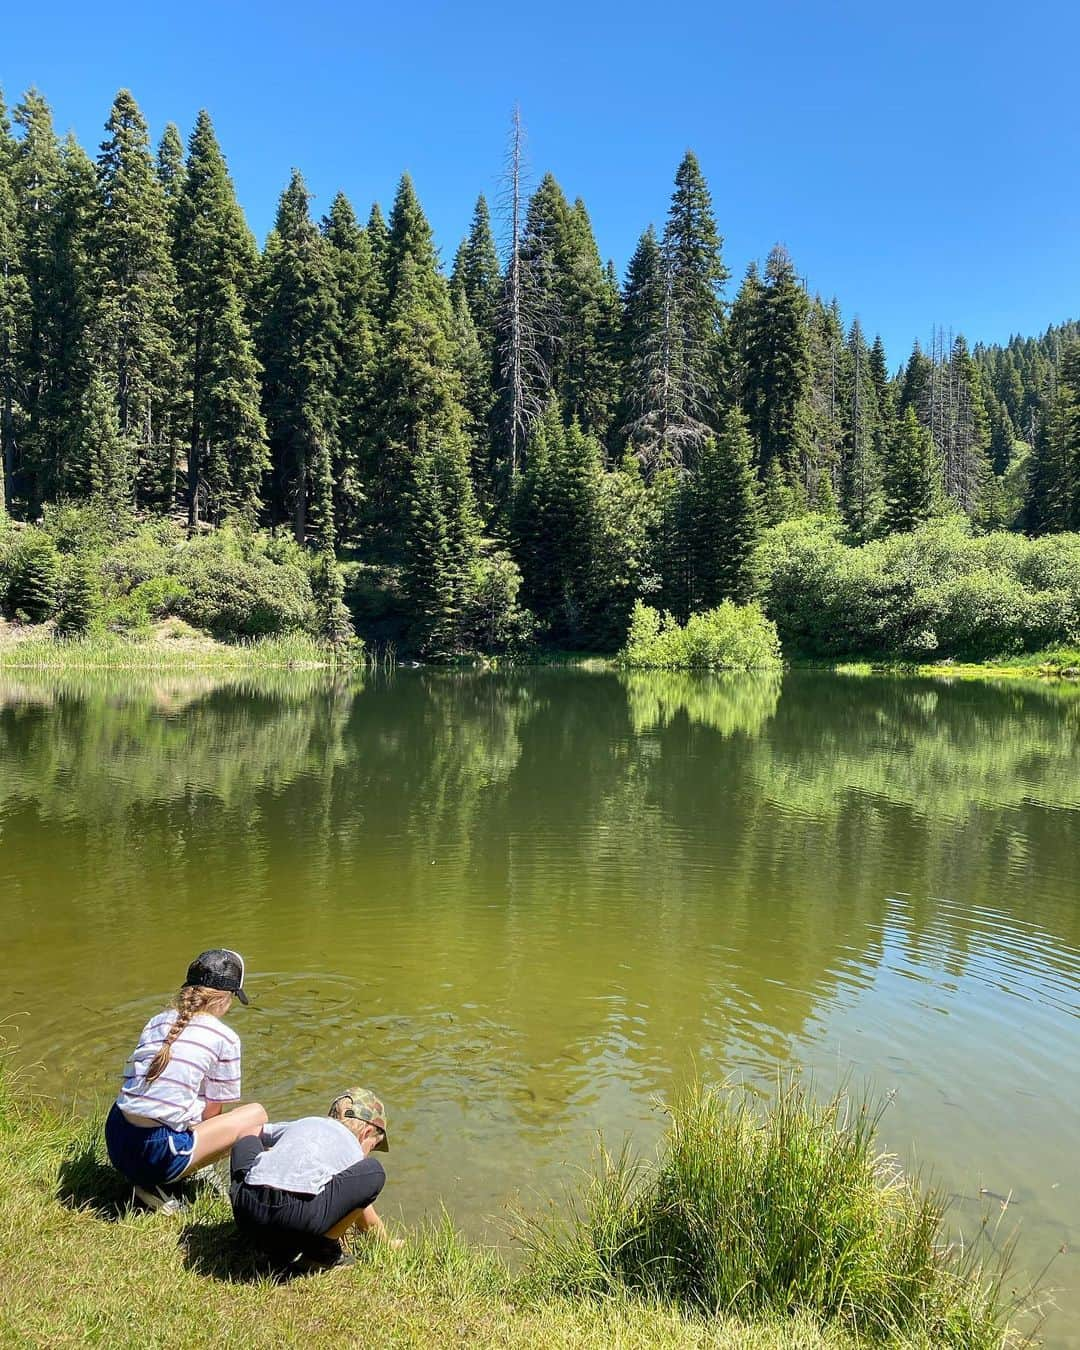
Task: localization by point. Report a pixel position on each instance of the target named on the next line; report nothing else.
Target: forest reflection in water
(522, 902)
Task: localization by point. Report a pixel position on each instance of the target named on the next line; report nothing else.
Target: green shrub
(29, 575)
(234, 588)
(938, 591)
(80, 600)
(730, 637)
(768, 1211)
(493, 619)
(146, 603)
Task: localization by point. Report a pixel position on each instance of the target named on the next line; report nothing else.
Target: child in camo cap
(299, 1187)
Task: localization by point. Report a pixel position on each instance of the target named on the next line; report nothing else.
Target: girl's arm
(210, 1110)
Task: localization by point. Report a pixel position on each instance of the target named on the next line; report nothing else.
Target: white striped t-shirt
(204, 1067)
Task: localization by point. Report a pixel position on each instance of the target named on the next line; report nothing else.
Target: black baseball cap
(219, 968)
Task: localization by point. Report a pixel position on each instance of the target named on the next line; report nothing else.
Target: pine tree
(721, 517)
(478, 276)
(884, 397)
(442, 542)
(35, 173)
(966, 437)
(81, 601)
(137, 282)
(777, 389)
(297, 346)
(860, 480)
(911, 475)
(14, 313)
(109, 457)
(1002, 438)
(216, 262)
(916, 380)
(690, 352)
(830, 381)
(590, 306)
(557, 524)
(477, 397)
(419, 379)
(328, 588)
(170, 172)
(378, 237)
(57, 446)
(1052, 501)
(641, 340)
(780, 498)
(357, 289)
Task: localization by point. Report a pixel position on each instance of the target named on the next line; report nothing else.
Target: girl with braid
(167, 1120)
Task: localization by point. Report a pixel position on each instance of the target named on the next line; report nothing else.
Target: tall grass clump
(729, 637)
(759, 1212)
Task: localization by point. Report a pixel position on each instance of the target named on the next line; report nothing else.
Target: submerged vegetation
(783, 1232)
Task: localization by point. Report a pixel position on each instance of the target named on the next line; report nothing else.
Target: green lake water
(522, 904)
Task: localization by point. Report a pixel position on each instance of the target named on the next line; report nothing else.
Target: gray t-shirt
(304, 1154)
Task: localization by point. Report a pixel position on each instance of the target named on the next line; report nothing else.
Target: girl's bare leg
(215, 1137)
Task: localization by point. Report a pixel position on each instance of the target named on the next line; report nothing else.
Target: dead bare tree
(521, 360)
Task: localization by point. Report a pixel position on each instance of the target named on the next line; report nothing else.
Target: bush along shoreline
(762, 1227)
(85, 589)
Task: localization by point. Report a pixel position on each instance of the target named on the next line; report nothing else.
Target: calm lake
(522, 904)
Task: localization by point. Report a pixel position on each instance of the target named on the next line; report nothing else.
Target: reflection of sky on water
(522, 905)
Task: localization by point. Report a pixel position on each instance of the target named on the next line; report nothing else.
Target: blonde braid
(190, 1000)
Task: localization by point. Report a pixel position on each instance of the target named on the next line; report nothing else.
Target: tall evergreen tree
(419, 377)
(170, 171)
(297, 346)
(58, 445)
(690, 353)
(721, 517)
(642, 337)
(137, 285)
(35, 174)
(357, 290)
(911, 475)
(966, 438)
(109, 461)
(217, 265)
(14, 312)
(478, 276)
(777, 390)
(442, 541)
(1053, 489)
(860, 495)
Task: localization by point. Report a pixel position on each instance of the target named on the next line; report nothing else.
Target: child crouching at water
(167, 1120)
(299, 1187)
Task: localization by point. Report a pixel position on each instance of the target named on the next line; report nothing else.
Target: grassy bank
(1056, 664)
(783, 1232)
(169, 646)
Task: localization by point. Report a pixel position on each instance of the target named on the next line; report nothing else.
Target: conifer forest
(512, 448)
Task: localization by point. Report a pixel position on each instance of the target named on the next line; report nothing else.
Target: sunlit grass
(180, 649)
(793, 1203)
(766, 1212)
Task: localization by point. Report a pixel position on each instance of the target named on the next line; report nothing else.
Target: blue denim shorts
(147, 1157)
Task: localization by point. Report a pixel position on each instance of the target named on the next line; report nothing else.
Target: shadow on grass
(86, 1182)
(218, 1250)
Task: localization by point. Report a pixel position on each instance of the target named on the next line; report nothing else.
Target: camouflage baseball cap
(362, 1104)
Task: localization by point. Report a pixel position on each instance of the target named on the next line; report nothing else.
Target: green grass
(766, 1212)
(81, 1266)
(172, 646)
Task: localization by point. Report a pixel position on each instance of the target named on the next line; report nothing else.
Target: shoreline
(173, 647)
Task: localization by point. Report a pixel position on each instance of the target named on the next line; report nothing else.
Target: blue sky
(920, 161)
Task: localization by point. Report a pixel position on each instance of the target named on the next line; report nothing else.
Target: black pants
(284, 1224)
